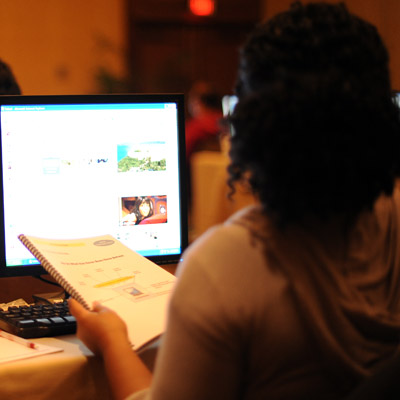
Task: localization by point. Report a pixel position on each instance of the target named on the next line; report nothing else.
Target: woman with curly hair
(298, 296)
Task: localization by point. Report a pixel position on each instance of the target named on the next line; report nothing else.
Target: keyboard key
(43, 321)
(70, 318)
(57, 320)
(26, 323)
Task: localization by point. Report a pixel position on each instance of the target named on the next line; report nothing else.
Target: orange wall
(57, 46)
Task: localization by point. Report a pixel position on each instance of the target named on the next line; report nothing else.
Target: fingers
(98, 307)
(75, 308)
(78, 310)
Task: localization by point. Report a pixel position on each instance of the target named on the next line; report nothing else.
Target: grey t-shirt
(260, 313)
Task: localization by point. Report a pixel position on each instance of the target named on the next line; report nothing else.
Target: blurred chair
(212, 143)
(210, 202)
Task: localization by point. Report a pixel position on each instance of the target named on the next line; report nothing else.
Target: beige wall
(57, 46)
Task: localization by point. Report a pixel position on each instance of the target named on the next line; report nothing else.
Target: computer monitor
(75, 166)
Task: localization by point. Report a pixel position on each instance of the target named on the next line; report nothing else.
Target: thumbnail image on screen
(143, 210)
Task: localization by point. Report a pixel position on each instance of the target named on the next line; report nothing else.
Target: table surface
(74, 373)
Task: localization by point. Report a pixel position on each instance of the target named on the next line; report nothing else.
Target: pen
(17, 339)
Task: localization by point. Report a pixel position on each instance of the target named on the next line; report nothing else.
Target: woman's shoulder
(225, 237)
(227, 248)
(226, 262)
(396, 194)
(385, 213)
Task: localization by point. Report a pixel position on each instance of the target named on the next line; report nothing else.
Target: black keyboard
(38, 320)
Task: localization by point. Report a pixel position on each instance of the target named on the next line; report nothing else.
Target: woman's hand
(104, 333)
(99, 328)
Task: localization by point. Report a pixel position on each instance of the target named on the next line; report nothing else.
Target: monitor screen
(396, 97)
(228, 104)
(87, 165)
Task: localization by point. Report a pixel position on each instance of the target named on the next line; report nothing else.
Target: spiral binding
(52, 271)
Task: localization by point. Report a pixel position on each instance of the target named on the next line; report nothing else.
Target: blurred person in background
(205, 113)
(8, 83)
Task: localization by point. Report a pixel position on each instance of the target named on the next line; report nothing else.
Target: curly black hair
(316, 130)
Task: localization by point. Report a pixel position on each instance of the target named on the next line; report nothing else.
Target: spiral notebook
(103, 269)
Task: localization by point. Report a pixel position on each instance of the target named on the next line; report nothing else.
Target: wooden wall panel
(170, 48)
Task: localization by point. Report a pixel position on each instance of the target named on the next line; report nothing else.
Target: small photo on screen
(142, 157)
(142, 210)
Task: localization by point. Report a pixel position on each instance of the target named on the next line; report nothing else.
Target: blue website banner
(68, 107)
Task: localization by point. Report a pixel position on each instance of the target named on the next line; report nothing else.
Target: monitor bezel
(178, 98)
